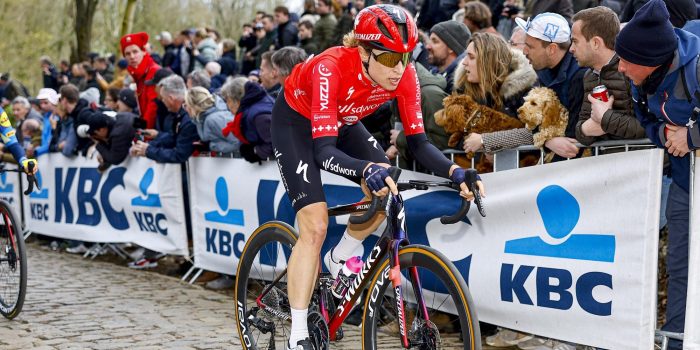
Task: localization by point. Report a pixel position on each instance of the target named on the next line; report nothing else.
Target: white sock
(300, 330)
(345, 248)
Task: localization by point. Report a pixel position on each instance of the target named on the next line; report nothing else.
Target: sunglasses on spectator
(391, 59)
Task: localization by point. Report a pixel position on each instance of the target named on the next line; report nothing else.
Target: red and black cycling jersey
(331, 90)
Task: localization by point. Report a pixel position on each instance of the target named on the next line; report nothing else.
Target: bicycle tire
(380, 306)
(263, 240)
(11, 304)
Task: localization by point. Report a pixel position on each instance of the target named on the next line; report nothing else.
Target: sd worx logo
(554, 287)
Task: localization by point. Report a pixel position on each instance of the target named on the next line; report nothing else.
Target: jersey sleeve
(408, 99)
(324, 106)
(7, 133)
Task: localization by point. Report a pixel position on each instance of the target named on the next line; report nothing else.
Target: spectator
(324, 28)
(169, 49)
(436, 11)
(655, 58)
(22, 111)
(28, 135)
(247, 43)
(183, 63)
(345, 22)
(501, 87)
(517, 39)
(92, 96)
(204, 49)
(593, 43)
(284, 60)
(306, 38)
(680, 11)
(127, 102)
(564, 8)
(217, 79)
(164, 119)
(175, 146)
(63, 136)
(78, 110)
(91, 79)
(269, 77)
(503, 16)
(556, 69)
(12, 88)
(142, 68)
(229, 65)
(49, 73)
(448, 41)
(154, 54)
(209, 119)
(286, 30)
(252, 107)
(48, 99)
(199, 77)
(78, 76)
(113, 133)
(104, 69)
(111, 98)
(254, 76)
(117, 79)
(477, 17)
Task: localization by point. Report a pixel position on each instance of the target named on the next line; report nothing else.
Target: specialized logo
(44, 193)
(373, 141)
(302, 168)
(369, 37)
(336, 168)
(224, 215)
(323, 86)
(4, 186)
(351, 91)
(299, 92)
(147, 199)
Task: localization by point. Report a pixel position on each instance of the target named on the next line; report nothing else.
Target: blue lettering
(224, 243)
(515, 284)
(62, 190)
(584, 293)
(211, 236)
(160, 217)
(545, 289)
(85, 196)
(139, 220)
(238, 244)
(149, 222)
(117, 219)
(40, 211)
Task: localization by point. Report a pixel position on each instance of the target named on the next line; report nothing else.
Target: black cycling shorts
(293, 147)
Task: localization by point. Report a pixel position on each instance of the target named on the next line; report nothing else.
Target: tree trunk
(127, 22)
(84, 14)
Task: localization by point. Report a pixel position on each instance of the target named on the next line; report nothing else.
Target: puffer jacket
(618, 122)
(207, 53)
(209, 125)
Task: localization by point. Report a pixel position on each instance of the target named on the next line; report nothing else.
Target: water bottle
(345, 276)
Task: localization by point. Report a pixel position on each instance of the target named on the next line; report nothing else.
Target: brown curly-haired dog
(462, 116)
(543, 111)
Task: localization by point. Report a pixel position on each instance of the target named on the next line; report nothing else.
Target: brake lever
(31, 179)
(471, 179)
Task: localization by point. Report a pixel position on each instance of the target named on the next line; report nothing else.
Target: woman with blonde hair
(209, 119)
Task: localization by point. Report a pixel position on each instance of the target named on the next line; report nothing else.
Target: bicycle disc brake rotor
(425, 335)
(318, 331)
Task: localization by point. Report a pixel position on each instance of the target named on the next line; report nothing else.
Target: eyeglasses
(391, 59)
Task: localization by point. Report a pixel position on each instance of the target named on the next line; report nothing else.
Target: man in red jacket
(142, 68)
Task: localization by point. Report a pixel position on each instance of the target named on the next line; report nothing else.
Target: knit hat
(128, 97)
(648, 38)
(455, 35)
(139, 39)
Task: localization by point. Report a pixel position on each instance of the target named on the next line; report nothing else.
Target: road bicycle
(13, 255)
(414, 293)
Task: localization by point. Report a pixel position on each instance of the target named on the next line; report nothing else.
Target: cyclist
(315, 124)
(7, 133)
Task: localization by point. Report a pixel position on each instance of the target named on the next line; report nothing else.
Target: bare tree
(127, 21)
(84, 13)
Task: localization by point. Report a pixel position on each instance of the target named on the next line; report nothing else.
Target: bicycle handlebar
(394, 172)
(31, 179)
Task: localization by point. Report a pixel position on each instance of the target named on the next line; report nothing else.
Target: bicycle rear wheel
(452, 324)
(13, 264)
(263, 260)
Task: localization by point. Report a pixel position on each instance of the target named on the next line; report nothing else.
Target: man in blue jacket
(654, 56)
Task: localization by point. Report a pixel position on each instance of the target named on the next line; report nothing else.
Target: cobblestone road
(74, 303)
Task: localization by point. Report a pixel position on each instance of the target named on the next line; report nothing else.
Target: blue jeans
(677, 214)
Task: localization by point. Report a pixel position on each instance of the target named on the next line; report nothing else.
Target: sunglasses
(391, 59)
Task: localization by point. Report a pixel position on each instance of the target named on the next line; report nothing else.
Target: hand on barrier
(248, 153)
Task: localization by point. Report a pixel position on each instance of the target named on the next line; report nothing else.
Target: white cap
(550, 27)
(164, 35)
(48, 94)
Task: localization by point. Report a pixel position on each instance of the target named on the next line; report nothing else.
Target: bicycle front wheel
(451, 323)
(13, 264)
(264, 259)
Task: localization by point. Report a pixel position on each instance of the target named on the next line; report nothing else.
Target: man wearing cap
(547, 47)
(142, 68)
(169, 49)
(654, 56)
(127, 101)
(48, 99)
(448, 42)
(113, 133)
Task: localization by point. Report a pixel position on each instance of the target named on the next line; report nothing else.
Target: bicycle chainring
(318, 331)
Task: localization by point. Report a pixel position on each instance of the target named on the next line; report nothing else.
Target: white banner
(691, 338)
(568, 250)
(11, 189)
(138, 201)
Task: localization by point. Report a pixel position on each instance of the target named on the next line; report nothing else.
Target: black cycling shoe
(302, 345)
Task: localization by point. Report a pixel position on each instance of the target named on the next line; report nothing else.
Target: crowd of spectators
(200, 93)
